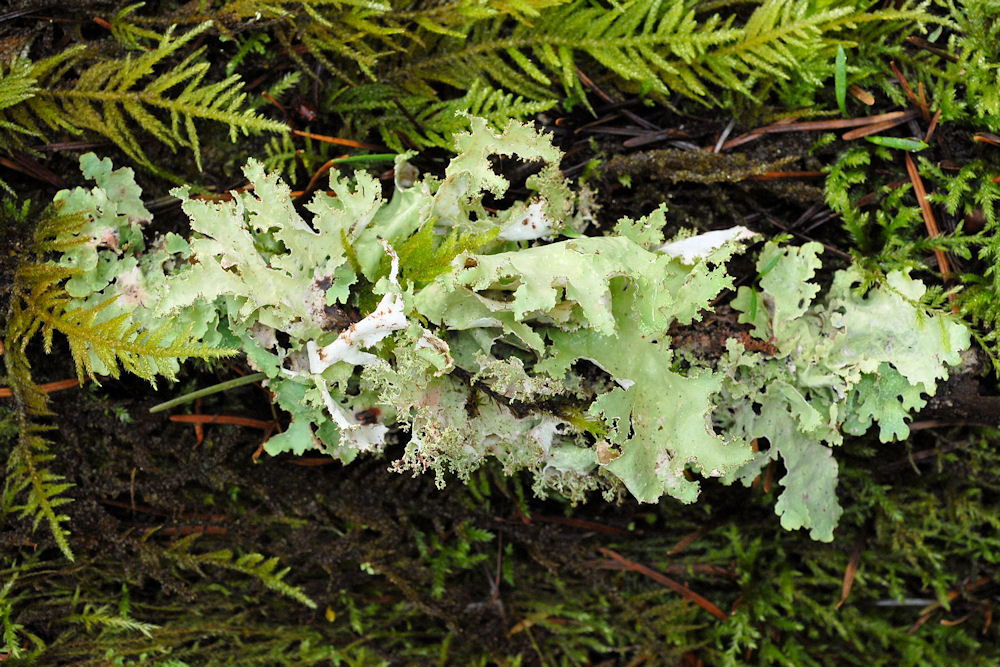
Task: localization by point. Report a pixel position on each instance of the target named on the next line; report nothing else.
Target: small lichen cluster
(510, 334)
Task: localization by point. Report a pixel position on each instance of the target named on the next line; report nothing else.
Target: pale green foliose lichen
(489, 333)
(840, 363)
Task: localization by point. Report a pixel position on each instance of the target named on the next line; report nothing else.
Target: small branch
(676, 587)
(874, 128)
(917, 101)
(581, 523)
(48, 387)
(925, 210)
(223, 419)
(819, 125)
(929, 47)
(335, 140)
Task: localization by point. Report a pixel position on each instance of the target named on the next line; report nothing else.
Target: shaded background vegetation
(173, 536)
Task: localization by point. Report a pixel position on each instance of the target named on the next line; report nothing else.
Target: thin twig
(829, 248)
(335, 140)
(986, 138)
(581, 523)
(686, 541)
(835, 123)
(588, 82)
(929, 46)
(222, 419)
(925, 210)
(930, 609)
(874, 128)
(676, 587)
(932, 126)
(309, 461)
(909, 92)
(653, 137)
(818, 125)
(47, 388)
(325, 167)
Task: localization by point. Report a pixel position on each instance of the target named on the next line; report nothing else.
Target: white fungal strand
(387, 317)
(692, 249)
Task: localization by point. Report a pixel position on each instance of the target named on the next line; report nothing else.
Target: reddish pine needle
(48, 387)
(849, 574)
(676, 587)
(928, 214)
(335, 140)
(222, 419)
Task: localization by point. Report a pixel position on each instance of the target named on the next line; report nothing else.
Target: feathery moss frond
(76, 90)
(43, 490)
(661, 47)
(378, 107)
(253, 565)
(130, 34)
(402, 65)
(114, 341)
(351, 37)
(98, 341)
(26, 472)
(966, 84)
(102, 617)
(17, 84)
